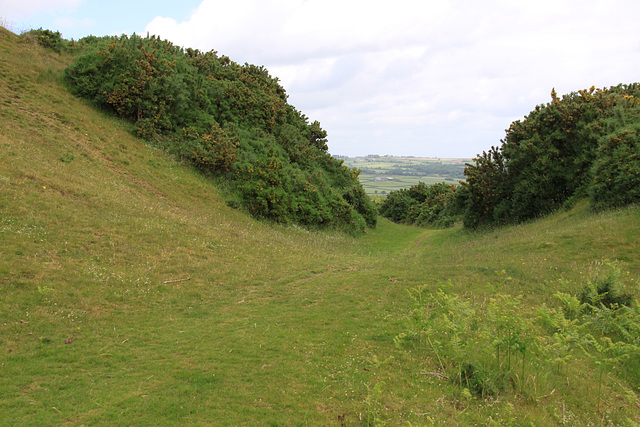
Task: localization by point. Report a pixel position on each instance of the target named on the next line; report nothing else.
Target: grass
(131, 294)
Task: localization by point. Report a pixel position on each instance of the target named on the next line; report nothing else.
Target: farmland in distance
(383, 174)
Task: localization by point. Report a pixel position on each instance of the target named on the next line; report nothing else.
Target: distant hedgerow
(422, 205)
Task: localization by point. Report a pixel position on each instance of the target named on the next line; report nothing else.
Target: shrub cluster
(583, 145)
(422, 205)
(51, 40)
(228, 120)
(46, 38)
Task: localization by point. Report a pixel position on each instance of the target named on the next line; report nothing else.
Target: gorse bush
(585, 144)
(617, 168)
(48, 39)
(422, 205)
(228, 120)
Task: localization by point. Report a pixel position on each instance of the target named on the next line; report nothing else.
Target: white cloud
(282, 31)
(436, 77)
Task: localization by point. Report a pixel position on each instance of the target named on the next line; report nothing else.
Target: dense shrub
(361, 203)
(213, 150)
(398, 206)
(617, 169)
(227, 119)
(48, 39)
(583, 144)
(422, 205)
(485, 189)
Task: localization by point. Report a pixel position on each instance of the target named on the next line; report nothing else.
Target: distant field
(398, 182)
(383, 174)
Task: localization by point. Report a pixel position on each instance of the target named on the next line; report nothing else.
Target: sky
(418, 78)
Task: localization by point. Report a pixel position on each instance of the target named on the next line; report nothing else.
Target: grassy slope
(275, 325)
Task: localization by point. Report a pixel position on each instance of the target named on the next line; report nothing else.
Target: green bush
(422, 205)
(583, 144)
(617, 169)
(216, 150)
(48, 39)
(230, 120)
(398, 206)
(361, 203)
(494, 346)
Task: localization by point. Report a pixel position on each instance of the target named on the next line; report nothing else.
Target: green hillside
(132, 294)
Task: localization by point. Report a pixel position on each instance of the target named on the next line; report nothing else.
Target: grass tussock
(132, 294)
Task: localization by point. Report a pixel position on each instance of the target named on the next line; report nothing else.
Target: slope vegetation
(583, 146)
(132, 294)
(228, 120)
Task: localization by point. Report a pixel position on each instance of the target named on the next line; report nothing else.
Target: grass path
(131, 294)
